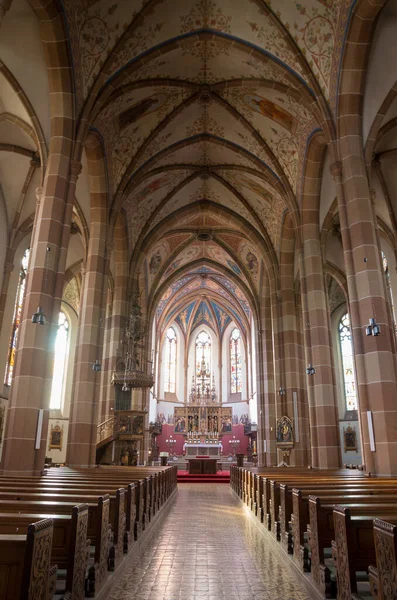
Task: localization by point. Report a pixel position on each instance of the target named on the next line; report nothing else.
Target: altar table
(200, 466)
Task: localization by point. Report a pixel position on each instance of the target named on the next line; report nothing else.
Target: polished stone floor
(208, 548)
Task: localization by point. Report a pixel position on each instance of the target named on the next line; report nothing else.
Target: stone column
(84, 408)
(374, 359)
(31, 386)
(324, 420)
(291, 351)
(119, 312)
(265, 384)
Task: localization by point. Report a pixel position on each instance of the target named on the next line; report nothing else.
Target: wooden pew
(321, 533)
(98, 529)
(300, 517)
(25, 569)
(130, 511)
(383, 577)
(70, 547)
(353, 548)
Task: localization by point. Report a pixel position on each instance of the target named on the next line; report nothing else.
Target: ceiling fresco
(205, 109)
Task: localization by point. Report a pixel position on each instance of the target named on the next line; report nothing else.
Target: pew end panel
(385, 539)
(37, 575)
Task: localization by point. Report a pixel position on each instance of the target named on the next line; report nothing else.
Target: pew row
(117, 506)
(297, 508)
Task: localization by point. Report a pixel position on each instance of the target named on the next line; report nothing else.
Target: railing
(105, 430)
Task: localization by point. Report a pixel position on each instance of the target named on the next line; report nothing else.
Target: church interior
(198, 287)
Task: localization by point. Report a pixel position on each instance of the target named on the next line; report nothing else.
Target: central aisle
(208, 548)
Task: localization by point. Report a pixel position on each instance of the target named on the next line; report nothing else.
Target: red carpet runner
(220, 477)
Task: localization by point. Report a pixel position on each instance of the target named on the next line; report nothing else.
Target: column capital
(336, 170)
(75, 170)
(39, 193)
(35, 161)
(8, 267)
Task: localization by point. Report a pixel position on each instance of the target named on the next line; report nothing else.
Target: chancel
(198, 273)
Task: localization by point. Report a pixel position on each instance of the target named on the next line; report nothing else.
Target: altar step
(220, 477)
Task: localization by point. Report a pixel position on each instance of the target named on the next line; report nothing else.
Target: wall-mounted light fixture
(125, 388)
(39, 316)
(281, 391)
(97, 366)
(373, 328)
(310, 370)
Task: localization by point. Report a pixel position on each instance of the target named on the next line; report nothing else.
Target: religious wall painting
(157, 258)
(140, 109)
(272, 111)
(154, 263)
(250, 258)
(184, 316)
(350, 439)
(226, 420)
(223, 319)
(252, 184)
(151, 188)
(188, 255)
(203, 315)
(56, 437)
(180, 420)
(284, 433)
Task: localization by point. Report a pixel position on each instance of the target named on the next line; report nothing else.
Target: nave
(209, 547)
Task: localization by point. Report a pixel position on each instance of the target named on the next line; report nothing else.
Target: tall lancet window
(235, 361)
(346, 348)
(16, 319)
(170, 360)
(389, 288)
(60, 362)
(203, 353)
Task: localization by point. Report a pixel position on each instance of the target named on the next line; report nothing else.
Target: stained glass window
(170, 361)
(16, 319)
(60, 361)
(235, 361)
(203, 353)
(388, 283)
(346, 348)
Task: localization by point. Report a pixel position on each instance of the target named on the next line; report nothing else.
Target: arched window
(60, 361)
(388, 284)
(203, 354)
(235, 361)
(346, 348)
(170, 361)
(16, 319)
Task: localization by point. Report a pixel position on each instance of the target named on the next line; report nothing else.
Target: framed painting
(56, 437)
(350, 439)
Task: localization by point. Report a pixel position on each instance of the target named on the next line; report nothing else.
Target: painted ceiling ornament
(252, 263)
(205, 15)
(272, 111)
(155, 263)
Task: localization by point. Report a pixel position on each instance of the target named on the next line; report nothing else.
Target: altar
(203, 466)
(203, 449)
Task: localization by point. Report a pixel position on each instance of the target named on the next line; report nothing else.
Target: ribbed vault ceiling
(205, 108)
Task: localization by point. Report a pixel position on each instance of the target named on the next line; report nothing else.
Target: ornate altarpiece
(202, 419)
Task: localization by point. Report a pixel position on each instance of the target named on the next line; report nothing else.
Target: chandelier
(133, 370)
(202, 392)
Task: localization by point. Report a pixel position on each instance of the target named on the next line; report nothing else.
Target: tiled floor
(208, 548)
